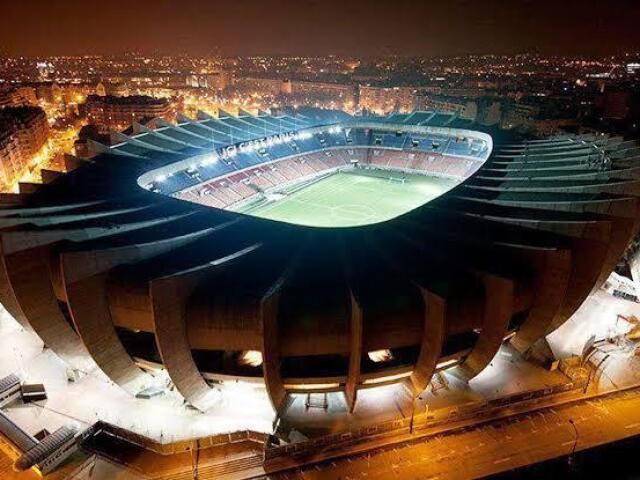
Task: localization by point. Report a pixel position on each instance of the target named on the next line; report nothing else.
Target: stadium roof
(513, 250)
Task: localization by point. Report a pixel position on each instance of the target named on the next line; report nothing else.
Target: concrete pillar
(355, 354)
(431, 343)
(498, 309)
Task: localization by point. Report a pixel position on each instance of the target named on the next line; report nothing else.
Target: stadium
(313, 251)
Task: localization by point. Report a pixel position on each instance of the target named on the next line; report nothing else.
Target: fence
(174, 447)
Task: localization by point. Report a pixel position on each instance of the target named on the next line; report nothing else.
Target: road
(491, 448)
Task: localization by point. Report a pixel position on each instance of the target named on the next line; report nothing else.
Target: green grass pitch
(348, 199)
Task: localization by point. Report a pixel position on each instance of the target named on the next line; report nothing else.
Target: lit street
(495, 447)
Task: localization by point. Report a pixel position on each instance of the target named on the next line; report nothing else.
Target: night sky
(316, 27)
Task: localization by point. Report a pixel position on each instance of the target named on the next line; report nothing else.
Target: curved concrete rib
(61, 219)
(598, 247)
(552, 275)
(84, 277)
(271, 351)
(168, 299)
(623, 231)
(38, 211)
(431, 343)
(8, 296)
(588, 258)
(12, 242)
(355, 354)
(15, 241)
(89, 309)
(498, 309)
(28, 272)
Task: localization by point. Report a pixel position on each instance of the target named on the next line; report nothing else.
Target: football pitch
(348, 199)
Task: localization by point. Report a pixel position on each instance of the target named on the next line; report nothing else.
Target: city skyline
(315, 28)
